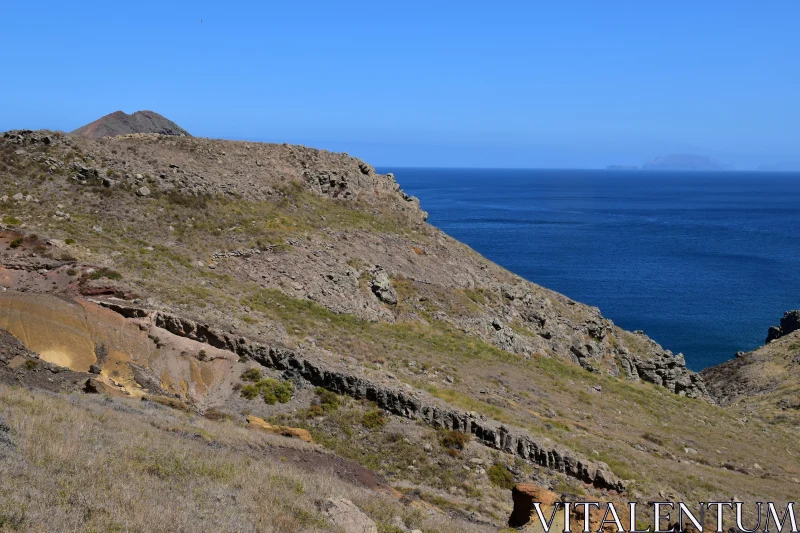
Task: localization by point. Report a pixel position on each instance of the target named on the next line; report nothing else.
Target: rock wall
(410, 405)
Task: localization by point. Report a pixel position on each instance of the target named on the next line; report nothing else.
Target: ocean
(703, 262)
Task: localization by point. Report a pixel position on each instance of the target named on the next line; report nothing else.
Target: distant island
(676, 162)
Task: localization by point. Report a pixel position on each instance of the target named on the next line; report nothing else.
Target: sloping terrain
(253, 279)
(765, 382)
(120, 123)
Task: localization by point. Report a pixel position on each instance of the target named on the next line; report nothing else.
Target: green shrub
(251, 374)
(499, 476)
(16, 243)
(329, 401)
(250, 392)
(69, 241)
(105, 273)
(454, 440)
(272, 390)
(374, 419)
(12, 221)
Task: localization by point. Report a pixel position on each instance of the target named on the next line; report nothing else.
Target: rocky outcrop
(524, 496)
(789, 323)
(409, 404)
(666, 370)
(381, 286)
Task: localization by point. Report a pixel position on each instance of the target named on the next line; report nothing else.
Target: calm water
(702, 262)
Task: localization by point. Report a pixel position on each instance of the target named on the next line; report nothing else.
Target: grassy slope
(90, 464)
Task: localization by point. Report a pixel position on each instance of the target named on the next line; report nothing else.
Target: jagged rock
(789, 323)
(381, 286)
(346, 516)
(666, 370)
(143, 191)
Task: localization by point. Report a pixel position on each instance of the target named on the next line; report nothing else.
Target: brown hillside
(302, 287)
(120, 123)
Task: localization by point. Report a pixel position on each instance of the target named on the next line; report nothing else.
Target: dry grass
(86, 464)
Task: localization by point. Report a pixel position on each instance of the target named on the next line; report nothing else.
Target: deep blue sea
(704, 263)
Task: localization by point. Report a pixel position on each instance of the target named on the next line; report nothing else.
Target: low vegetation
(160, 473)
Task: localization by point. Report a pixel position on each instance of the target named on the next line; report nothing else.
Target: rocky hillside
(766, 381)
(302, 287)
(120, 123)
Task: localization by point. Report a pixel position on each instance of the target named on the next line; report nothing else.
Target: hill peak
(120, 123)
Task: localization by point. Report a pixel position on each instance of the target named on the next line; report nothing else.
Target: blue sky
(498, 84)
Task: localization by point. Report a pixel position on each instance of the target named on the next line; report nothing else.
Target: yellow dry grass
(101, 465)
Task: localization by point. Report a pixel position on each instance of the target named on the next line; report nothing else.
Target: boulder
(346, 516)
(524, 495)
(381, 286)
(143, 191)
(285, 431)
(95, 386)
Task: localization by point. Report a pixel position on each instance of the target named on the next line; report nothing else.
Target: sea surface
(702, 262)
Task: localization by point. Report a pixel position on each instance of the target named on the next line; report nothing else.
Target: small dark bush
(105, 273)
(186, 200)
(272, 390)
(655, 439)
(251, 374)
(329, 401)
(374, 419)
(499, 476)
(250, 392)
(16, 243)
(69, 241)
(216, 414)
(454, 440)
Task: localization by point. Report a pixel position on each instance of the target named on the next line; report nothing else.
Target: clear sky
(503, 84)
